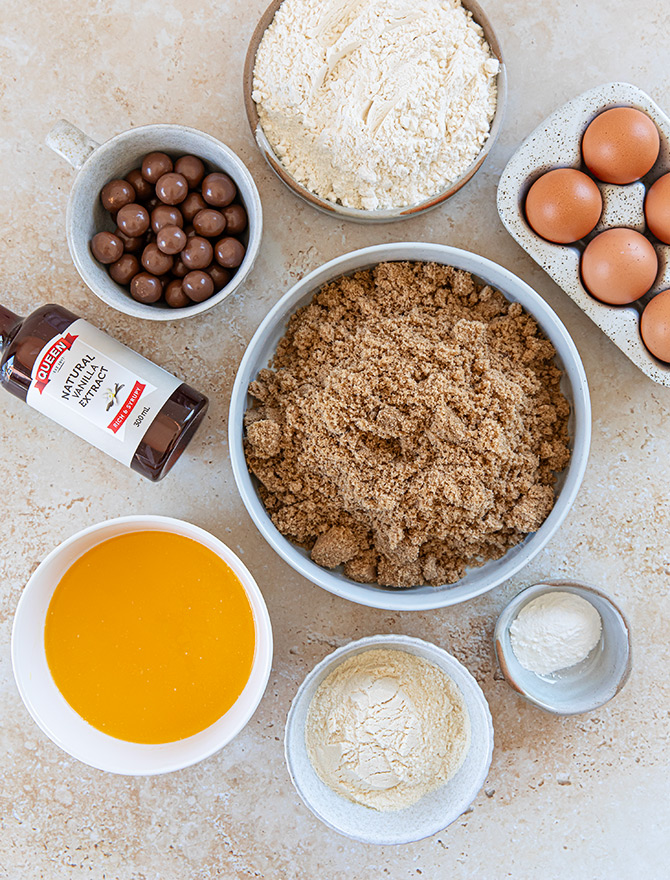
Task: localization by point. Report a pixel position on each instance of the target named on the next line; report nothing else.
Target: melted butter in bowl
(149, 636)
(141, 645)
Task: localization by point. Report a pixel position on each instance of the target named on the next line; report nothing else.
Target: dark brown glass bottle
(152, 420)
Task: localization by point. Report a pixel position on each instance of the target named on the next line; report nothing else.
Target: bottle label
(99, 389)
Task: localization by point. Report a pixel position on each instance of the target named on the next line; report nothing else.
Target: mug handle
(71, 143)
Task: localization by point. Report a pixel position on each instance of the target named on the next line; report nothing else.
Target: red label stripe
(46, 365)
(127, 407)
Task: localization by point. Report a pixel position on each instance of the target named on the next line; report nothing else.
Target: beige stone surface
(583, 797)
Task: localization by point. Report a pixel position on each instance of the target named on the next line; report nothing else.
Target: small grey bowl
(435, 810)
(97, 164)
(580, 688)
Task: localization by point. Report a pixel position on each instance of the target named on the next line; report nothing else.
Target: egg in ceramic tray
(588, 196)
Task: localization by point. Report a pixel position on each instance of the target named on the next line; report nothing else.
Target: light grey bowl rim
(407, 599)
(397, 640)
(142, 310)
(360, 215)
(514, 606)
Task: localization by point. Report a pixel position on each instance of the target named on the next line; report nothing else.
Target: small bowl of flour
(376, 110)
(564, 647)
(389, 739)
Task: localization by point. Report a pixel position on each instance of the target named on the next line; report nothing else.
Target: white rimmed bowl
(57, 718)
(580, 688)
(435, 810)
(476, 581)
(358, 214)
(97, 164)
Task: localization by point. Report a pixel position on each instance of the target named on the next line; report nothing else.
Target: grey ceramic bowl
(358, 214)
(97, 164)
(435, 810)
(584, 686)
(478, 580)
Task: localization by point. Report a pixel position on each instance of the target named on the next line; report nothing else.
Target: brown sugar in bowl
(477, 580)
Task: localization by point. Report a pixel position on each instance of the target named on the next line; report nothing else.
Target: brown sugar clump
(412, 424)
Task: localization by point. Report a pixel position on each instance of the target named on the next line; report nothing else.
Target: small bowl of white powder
(377, 110)
(564, 647)
(388, 739)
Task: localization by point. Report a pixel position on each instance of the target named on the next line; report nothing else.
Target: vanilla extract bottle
(98, 388)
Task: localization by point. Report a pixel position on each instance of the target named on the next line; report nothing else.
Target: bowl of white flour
(376, 110)
(563, 646)
(388, 739)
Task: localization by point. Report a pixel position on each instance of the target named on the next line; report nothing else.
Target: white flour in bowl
(375, 103)
(385, 728)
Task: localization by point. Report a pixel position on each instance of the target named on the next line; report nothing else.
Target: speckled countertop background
(583, 797)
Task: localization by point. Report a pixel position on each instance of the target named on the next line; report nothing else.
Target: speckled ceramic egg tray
(556, 142)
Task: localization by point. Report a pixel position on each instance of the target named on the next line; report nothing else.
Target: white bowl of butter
(56, 716)
(383, 812)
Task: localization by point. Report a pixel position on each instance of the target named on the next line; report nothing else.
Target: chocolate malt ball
(219, 275)
(175, 296)
(133, 219)
(171, 239)
(229, 252)
(198, 286)
(218, 189)
(125, 269)
(180, 269)
(107, 247)
(209, 222)
(115, 194)
(198, 253)
(166, 215)
(172, 188)
(143, 189)
(192, 168)
(146, 288)
(193, 203)
(236, 219)
(155, 261)
(131, 244)
(155, 165)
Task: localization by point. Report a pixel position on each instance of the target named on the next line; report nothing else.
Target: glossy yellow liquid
(150, 637)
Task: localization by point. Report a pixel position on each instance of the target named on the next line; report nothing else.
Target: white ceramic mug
(97, 164)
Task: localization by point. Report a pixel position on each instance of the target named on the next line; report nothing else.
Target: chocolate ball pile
(177, 231)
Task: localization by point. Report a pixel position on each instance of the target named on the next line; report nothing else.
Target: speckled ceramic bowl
(584, 686)
(556, 142)
(477, 580)
(54, 715)
(358, 214)
(435, 810)
(97, 164)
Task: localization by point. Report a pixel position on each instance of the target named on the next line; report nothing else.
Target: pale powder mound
(385, 728)
(375, 103)
(555, 631)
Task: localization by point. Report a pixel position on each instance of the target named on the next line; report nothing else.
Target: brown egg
(657, 209)
(619, 266)
(620, 145)
(563, 205)
(655, 325)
